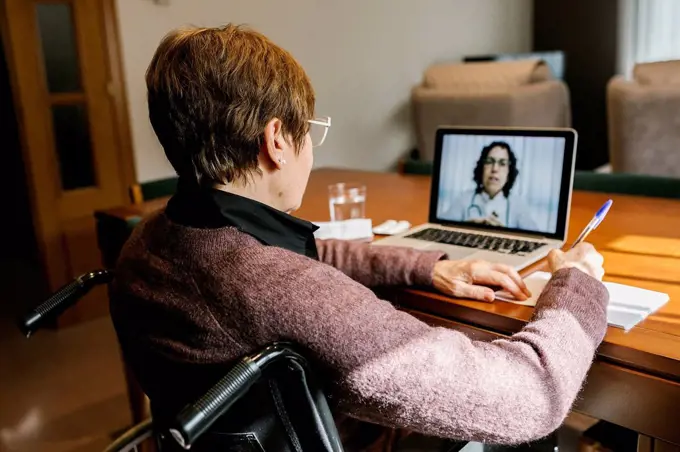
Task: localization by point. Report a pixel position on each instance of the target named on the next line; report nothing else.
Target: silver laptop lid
(504, 179)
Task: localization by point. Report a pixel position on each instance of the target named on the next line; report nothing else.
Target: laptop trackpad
(452, 252)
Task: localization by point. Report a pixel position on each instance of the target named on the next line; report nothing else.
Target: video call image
(503, 181)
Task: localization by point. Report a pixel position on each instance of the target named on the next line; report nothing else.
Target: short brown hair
(211, 92)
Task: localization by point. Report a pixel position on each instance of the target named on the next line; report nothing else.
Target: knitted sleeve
(392, 369)
(375, 266)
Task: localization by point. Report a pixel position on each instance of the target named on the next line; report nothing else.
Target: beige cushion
(492, 74)
(658, 73)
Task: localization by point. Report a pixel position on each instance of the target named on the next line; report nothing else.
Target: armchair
(501, 93)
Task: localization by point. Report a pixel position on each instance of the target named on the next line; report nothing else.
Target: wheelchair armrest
(62, 299)
(199, 416)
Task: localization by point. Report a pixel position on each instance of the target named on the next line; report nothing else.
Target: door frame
(118, 91)
(46, 224)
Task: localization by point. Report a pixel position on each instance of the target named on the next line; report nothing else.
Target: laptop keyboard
(484, 242)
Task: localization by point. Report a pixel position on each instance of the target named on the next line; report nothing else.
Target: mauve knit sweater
(186, 299)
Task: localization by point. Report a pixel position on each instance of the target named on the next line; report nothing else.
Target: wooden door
(70, 105)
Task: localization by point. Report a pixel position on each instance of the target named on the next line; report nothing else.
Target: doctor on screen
(490, 203)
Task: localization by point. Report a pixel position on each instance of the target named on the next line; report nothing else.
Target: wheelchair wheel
(133, 438)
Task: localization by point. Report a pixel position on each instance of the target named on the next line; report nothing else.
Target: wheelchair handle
(62, 299)
(199, 416)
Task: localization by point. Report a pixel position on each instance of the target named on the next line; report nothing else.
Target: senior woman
(225, 269)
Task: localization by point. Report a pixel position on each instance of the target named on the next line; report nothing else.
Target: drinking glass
(347, 201)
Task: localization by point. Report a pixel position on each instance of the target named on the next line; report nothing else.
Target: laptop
(498, 194)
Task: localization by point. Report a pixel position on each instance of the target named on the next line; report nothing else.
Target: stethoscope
(473, 205)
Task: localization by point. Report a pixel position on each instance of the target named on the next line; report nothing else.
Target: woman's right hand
(583, 256)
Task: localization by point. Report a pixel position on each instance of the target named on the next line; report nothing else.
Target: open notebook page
(628, 305)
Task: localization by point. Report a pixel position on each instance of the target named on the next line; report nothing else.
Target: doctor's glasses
(490, 161)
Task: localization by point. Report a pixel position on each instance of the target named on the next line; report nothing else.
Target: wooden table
(635, 380)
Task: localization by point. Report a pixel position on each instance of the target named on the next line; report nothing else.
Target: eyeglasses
(319, 129)
(491, 162)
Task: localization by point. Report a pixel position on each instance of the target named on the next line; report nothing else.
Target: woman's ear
(275, 145)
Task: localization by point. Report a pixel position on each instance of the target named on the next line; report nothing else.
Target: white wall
(363, 57)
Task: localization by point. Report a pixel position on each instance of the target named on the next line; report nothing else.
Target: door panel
(59, 49)
(66, 97)
(73, 145)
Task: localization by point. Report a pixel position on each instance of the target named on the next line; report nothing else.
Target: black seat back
(284, 410)
(268, 401)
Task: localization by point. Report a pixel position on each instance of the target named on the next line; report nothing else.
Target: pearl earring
(282, 161)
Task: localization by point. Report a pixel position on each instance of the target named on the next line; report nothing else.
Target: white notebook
(628, 305)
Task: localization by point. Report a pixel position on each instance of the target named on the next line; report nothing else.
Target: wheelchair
(207, 424)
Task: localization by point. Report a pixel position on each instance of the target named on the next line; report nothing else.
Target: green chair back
(628, 184)
(153, 189)
(410, 166)
(159, 188)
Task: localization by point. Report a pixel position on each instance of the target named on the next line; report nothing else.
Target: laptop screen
(504, 179)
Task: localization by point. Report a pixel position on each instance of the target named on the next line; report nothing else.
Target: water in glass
(347, 202)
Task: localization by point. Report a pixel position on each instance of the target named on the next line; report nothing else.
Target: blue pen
(594, 223)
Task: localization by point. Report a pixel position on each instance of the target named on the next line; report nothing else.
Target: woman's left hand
(471, 279)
